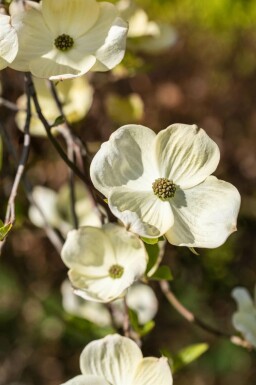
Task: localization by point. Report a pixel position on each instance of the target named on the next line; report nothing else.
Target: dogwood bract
(103, 262)
(8, 41)
(244, 319)
(161, 184)
(118, 360)
(63, 39)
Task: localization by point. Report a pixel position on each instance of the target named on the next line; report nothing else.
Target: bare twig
(51, 137)
(50, 232)
(10, 213)
(77, 151)
(190, 317)
(126, 321)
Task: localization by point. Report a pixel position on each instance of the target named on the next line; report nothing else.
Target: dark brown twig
(190, 317)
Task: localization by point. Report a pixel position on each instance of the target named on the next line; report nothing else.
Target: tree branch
(190, 317)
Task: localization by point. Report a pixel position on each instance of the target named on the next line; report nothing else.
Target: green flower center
(116, 271)
(164, 188)
(64, 42)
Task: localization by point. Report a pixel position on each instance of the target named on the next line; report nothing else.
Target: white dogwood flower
(8, 41)
(103, 262)
(54, 208)
(244, 319)
(144, 34)
(118, 360)
(63, 39)
(161, 184)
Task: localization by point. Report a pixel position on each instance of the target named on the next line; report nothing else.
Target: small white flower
(161, 184)
(103, 262)
(76, 96)
(63, 39)
(92, 311)
(8, 41)
(118, 360)
(55, 209)
(244, 320)
(144, 34)
(140, 298)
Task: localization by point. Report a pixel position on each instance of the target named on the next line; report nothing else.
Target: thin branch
(51, 137)
(126, 321)
(76, 151)
(10, 213)
(50, 232)
(10, 105)
(71, 156)
(190, 317)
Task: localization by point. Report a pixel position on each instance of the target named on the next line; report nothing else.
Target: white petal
(246, 324)
(126, 159)
(142, 299)
(89, 250)
(34, 37)
(114, 358)
(186, 154)
(8, 40)
(96, 36)
(204, 216)
(75, 17)
(243, 299)
(86, 380)
(152, 371)
(113, 50)
(61, 67)
(141, 211)
(127, 246)
(103, 289)
(46, 200)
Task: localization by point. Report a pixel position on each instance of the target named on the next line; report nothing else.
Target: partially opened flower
(116, 360)
(76, 96)
(161, 184)
(140, 298)
(144, 34)
(244, 319)
(103, 262)
(55, 208)
(95, 312)
(8, 41)
(63, 39)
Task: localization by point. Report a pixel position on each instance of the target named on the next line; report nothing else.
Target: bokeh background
(207, 77)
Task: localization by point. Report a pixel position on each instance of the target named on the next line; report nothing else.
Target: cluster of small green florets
(164, 188)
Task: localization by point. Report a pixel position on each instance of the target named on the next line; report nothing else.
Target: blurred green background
(207, 77)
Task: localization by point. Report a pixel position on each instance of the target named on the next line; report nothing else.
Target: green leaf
(162, 273)
(146, 329)
(142, 330)
(187, 355)
(58, 121)
(153, 253)
(134, 321)
(193, 251)
(4, 230)
(150, 241)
